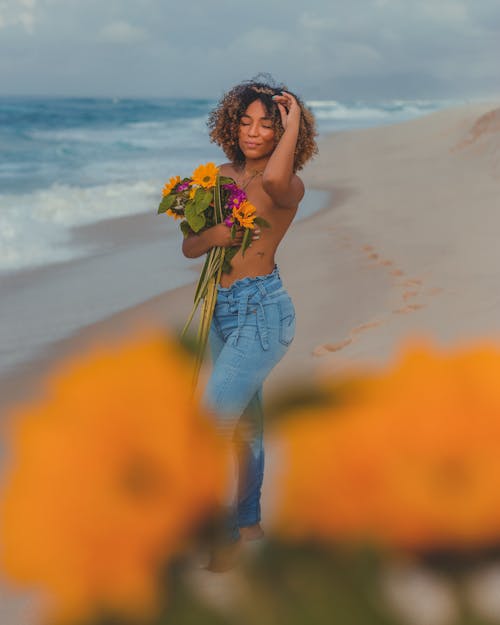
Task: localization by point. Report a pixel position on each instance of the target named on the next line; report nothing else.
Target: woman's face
(256, 133)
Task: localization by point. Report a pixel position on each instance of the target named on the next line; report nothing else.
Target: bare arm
(195, 245)
(278, 180)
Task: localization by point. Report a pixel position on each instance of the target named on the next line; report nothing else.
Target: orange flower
(411, 460)
(171, 213)
(171, 184)
(205, 175)
(109, 474)
(245, 214)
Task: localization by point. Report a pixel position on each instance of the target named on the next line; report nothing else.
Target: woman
(268, 134)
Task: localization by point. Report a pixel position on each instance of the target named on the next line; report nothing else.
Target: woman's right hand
(217, 236)
(221, 236)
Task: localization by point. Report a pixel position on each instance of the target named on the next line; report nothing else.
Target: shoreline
(24, 381)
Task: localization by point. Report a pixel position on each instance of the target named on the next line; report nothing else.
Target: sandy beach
(407, 246)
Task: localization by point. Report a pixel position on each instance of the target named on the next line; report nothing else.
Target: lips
(251, 145)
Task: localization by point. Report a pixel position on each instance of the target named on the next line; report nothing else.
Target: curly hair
(224, 120)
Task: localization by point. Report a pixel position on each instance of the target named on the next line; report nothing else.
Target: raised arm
(284, 187)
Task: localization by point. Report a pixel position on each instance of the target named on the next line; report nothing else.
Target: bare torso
(259, 258)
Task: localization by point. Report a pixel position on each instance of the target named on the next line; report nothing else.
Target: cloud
(18, 13)
(122, 32)
(198, 48)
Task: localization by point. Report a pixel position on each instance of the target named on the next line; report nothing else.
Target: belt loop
(262, 326)
(242, 313)
(262, 289)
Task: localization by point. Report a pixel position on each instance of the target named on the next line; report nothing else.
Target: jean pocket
(287, 321)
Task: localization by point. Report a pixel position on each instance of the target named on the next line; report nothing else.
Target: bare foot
(224, 557)
(252, 532)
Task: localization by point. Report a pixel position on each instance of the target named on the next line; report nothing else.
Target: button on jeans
(252, 328)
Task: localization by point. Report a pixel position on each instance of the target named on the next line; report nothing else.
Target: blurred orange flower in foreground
(107, 476)
(410, 460)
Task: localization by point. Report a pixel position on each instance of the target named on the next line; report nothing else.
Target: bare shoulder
(226, 169)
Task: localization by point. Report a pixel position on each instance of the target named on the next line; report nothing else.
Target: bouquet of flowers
(202, 201)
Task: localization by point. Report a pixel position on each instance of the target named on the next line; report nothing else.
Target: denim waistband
(251, 290)
(250, 285)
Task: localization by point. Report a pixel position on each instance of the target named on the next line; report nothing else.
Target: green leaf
(166, 203)
(312, 584)
(219, 217)
(185, 229)
(230, 252)
(233, 231)
(195, 221)
(227, 180)
(260, 221)
(201, 200)
(245, 244)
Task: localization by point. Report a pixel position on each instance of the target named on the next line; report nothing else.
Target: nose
(253, 129)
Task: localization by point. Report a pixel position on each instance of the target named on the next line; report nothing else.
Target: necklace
(254, 173)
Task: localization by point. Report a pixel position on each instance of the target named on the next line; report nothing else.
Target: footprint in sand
(397, 272)
(321, 350)
(408, 294)
(387, 263)
(368, 248)
(373, 255)
(366, 326)
(412, 282)
(436, 290)
(408, 309)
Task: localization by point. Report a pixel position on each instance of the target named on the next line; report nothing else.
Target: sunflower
(109, 473)
(244, 214)
(411, 460)
(205, 175)
(173, 214)
(174, 180)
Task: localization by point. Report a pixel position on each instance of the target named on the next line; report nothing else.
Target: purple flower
(235, 198)
(229, 222)
(182, 186)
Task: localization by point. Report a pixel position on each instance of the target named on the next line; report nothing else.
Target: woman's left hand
(288, 107)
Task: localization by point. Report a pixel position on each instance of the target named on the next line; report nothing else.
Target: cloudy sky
(331, 49)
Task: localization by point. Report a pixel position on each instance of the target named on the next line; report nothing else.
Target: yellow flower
(192, 192)
(171, 213)
(411, 459)
(205, 175)
(171, 184)
(245, 214)
(109, 474)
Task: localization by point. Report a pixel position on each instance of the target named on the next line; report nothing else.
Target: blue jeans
(252, 328)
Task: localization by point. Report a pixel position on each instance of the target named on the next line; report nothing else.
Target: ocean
(66, 162)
